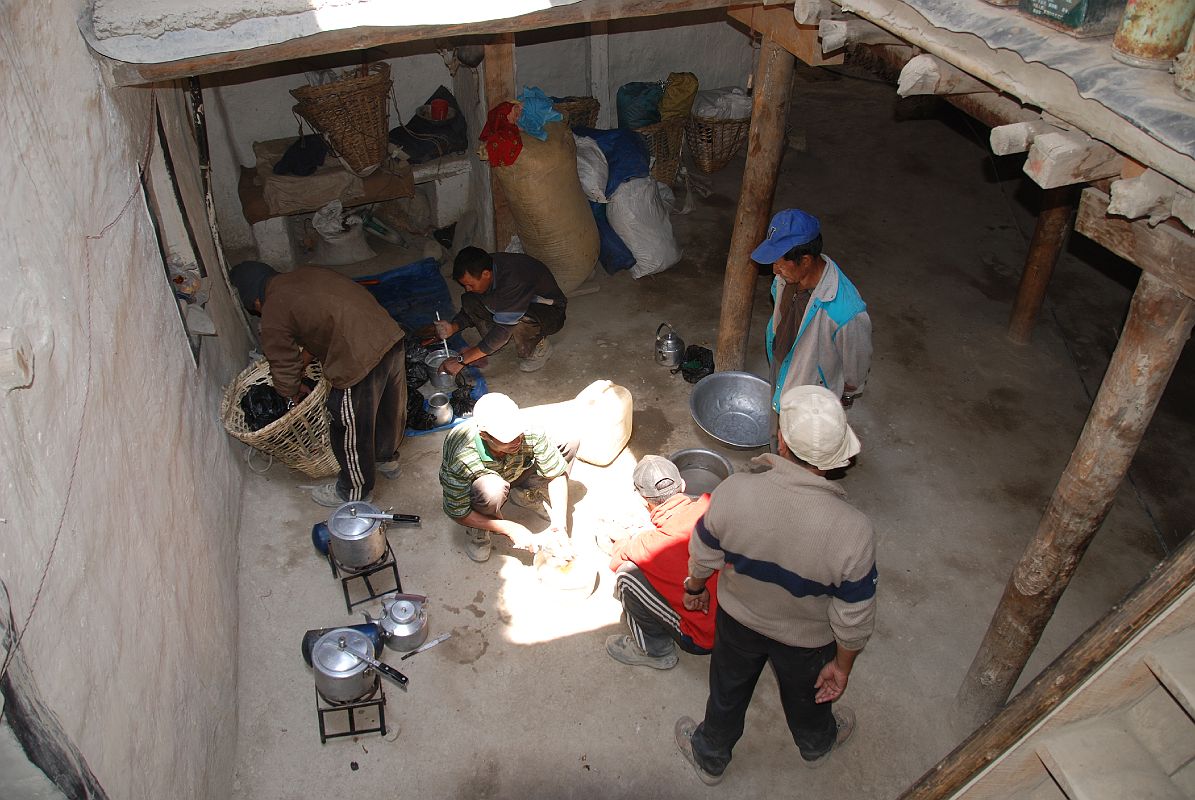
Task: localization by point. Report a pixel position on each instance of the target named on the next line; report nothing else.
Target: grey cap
(656, 478)
(250, 279)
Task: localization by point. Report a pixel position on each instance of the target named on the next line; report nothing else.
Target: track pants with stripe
(369, 420)
(653, 624)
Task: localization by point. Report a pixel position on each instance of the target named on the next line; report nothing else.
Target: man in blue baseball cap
(819, 333)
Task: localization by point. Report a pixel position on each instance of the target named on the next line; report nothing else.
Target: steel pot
(441, 380)
(356, 541)
(403, 623)
(341, 674)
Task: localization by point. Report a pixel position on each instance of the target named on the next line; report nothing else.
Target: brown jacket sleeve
(282, 350)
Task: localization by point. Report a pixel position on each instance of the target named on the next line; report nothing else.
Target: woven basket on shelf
(581, 111)
(664, 140)
(300, 438)
(352, 114)
(713, 142)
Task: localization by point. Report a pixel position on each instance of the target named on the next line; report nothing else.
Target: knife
(426, 646)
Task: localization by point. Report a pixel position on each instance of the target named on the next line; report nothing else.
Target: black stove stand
(328, 711)
(348, 575)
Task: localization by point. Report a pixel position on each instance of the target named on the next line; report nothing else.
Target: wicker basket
(582, 111)
(713, 142)
(664, 140)
(352, 114)
(300, 439)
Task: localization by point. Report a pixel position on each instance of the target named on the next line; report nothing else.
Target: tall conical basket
(353, 115)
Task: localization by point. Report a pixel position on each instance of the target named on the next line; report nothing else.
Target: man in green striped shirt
(499, 456)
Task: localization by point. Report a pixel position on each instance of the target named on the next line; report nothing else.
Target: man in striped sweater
(797, 587)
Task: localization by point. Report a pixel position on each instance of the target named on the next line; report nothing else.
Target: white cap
(657, 478)
(814, 427)
(499, 416)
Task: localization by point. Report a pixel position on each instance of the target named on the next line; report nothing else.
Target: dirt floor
(964, 436)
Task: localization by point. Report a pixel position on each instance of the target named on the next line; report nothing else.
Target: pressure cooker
(342, 674)
(357, 535)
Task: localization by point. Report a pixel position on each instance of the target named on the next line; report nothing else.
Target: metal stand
(325, 708)
(348, 575)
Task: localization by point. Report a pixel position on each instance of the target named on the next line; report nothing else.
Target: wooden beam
(1166, 251)
(1079, 662)
(1018, 136)
(499, 68)
(838, 33)
(926, 74)
(1149, 194)
(778, 24)
(1049, 237)
(811, 12)
(765, 147)
(599, 75)
(326, 42)
(1066, 157)
(1158, 326)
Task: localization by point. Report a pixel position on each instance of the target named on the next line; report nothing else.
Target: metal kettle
(403, 622)
(670, 348)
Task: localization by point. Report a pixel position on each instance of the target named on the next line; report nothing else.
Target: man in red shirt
(652, 566)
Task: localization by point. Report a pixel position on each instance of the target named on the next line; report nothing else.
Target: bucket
(439, 109)
(604, 411)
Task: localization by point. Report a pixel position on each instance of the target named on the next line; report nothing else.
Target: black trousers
(653, 624)
(537, 323)
(369, 420)
(738, 659)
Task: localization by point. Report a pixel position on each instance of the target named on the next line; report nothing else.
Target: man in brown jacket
(796, 587)
(315, 313)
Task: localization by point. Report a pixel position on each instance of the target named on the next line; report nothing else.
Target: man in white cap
(797, 587)
(819, 332)
(499, 456)
(651, 566)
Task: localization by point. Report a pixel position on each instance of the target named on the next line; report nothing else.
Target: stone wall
(119, 490)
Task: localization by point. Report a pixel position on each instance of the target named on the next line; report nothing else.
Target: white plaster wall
(115, 473)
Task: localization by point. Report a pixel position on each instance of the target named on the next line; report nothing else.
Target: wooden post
(765, 147)
(1164, 586)
(1159, 324)
(1049, 237)
(500, 86)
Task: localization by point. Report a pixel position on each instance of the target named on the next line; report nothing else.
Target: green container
(1080, 18)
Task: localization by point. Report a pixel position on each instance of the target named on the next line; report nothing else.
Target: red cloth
(503, 142)
(662, 554)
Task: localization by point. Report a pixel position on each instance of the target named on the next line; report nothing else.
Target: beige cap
(814, 427)
(499, 416)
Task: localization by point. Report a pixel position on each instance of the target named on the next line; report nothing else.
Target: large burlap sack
(551, 213)
(679, 91)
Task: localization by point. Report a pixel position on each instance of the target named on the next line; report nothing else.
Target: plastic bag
(640, 218)
(639, 104)
(592, 169)
(699, 362)
(729, 103)
(679, 91)
(342, 239)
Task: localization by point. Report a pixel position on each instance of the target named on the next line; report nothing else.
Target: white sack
(638, 215)
(592, 169)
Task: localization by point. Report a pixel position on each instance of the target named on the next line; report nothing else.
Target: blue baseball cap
(789, 228)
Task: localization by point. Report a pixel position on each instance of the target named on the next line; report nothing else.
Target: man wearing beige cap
(797, 583)
(499, 456)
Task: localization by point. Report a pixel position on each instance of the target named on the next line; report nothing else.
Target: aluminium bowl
(702, 470)
(733, 407)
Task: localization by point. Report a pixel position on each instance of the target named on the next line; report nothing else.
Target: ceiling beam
(780, 25)
(124, 73)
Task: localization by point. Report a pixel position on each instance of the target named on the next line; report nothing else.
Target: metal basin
(702, 470)
(733, 407)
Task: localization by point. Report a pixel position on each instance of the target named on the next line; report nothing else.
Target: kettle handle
(414, 598)
(662, 326)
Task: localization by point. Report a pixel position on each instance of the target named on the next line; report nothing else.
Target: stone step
(1100, 760)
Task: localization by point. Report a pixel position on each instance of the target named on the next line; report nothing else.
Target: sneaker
(538, 357)
(530, 499)
(390, 469)
(844, 718)
(623, 648)
(684, 741)
(478, 545)
(328, 495)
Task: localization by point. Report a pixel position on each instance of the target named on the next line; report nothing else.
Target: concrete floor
(964, 436)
